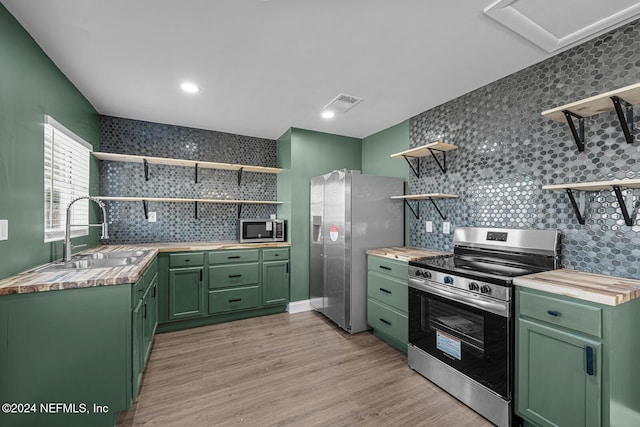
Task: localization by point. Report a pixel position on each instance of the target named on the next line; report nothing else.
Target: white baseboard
(299, 306)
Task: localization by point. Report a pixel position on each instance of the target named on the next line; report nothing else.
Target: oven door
(470, 333)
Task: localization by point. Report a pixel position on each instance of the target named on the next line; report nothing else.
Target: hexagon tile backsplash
(508, 151)
(176, 221)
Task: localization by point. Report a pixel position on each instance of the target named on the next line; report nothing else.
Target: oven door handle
(501, 309)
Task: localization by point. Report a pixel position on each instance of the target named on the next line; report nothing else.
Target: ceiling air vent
(342, 103)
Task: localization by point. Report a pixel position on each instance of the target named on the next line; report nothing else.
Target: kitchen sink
(85, 264)
(110, 255)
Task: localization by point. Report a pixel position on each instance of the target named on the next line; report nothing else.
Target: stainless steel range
(461, 324)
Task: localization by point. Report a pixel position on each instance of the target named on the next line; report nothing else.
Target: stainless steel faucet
(66, 247)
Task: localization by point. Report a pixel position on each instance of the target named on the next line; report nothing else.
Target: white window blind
(66, 177)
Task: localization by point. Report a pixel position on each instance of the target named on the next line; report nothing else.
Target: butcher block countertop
(405, 253)
(606, 290)
(35, 281)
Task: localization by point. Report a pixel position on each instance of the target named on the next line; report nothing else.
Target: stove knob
(473, 286)
(448, 279)
(426, 274)
(485, 289)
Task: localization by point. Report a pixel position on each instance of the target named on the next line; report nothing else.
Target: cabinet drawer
(388, 290)
(571, 315)
(234, 299)
(187, 259)
(399, 269)
(222, 276)
(387, 320)
(275, 254)
(228, 257)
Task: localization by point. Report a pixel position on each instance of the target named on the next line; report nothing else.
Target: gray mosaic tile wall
(508, 151)
(176, 221)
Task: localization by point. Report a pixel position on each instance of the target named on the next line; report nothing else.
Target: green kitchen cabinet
(137, 345)
(185, 285)
(185, 293)
(575, 361)
(275, 276)
(275, 282)
(387, 300)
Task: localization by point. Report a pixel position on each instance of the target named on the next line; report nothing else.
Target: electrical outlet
(446, 227)
(429, 226)
(152, 217)
(4, 229)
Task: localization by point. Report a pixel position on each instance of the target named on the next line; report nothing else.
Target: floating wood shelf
(431, 197)
(610, 101)
(147, 160)
(616, 186)
(427, 150)
(146, 200)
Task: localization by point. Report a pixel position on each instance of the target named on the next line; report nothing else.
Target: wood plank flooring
(286, 370)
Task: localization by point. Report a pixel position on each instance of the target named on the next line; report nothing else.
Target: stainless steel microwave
(260, 230)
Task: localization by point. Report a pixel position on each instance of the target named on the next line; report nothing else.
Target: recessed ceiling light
(328, 114)
(189, 87)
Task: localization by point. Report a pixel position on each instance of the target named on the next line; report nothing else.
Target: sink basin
(110, 255)
(84, 264)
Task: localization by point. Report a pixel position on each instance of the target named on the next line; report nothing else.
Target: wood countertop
(38, 281)
(597, 288)
(405, 253)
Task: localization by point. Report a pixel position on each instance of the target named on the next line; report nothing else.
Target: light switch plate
(152, 217)
(446, 227)
(429, 226)
(4, 229)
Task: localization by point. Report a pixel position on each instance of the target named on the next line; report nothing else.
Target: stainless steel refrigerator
(350, 212)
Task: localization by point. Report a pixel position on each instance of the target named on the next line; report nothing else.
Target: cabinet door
(137, 347)
(558, 377)
(150, 316)
(185, 293)
(275, 282)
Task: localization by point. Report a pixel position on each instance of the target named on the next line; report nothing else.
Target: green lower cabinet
(275, 282)
(576, 361)
(185, 293)
(70, 346)
(387, 300)
(234, 299)
(225, 285)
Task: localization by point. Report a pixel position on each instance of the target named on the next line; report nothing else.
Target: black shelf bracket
(239, 210)
(196, 173)
(195, 209)
(578, 134)
(626, 211)
(146, 169)
(415, 169)
(443, 165)
(413, 211)
(576, 208)
(625, 122)
(240, 177)
(433, 202)
(145, 206)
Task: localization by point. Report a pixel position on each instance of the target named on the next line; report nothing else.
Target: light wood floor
(286, 369)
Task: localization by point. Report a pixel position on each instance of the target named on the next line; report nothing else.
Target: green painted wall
(376, 160)
(308, 154)
(30, 87)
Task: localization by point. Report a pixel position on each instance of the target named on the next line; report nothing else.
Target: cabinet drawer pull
(384, 321)
(589, 354)
(276, 254)
(554, 313)
(145, 310)
(187, 260)
(385, 291)
(384, 267)
(235, 300)
(234, 257)
(233, 276)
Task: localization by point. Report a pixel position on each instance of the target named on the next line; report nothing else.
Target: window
(66, 177)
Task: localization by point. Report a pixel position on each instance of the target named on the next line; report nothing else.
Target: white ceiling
(267, 65)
